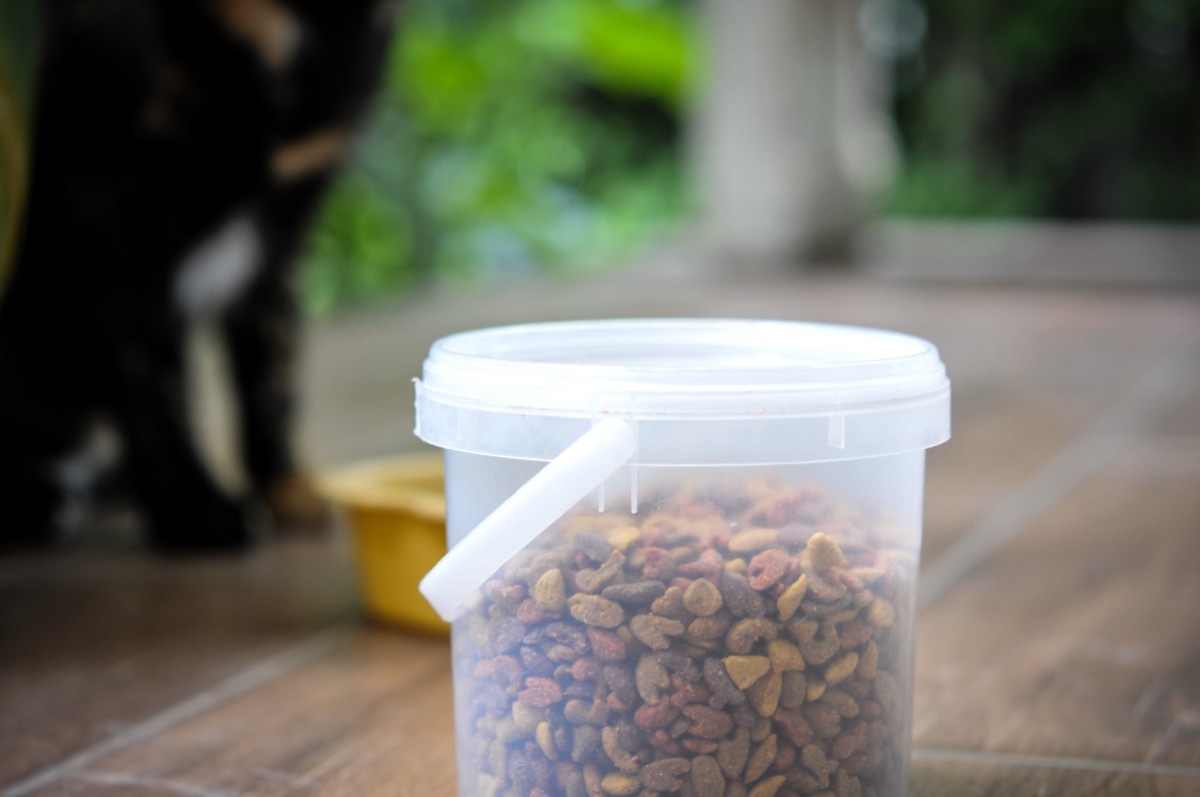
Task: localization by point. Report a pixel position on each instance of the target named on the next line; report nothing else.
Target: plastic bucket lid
(696, 391)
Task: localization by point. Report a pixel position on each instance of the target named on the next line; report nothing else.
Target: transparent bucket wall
(710, 631)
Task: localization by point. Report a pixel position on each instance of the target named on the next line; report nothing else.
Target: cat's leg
(184, 507)
(262, 334)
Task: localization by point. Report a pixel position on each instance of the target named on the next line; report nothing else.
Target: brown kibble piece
(745, 670)
(846, 785)
(824, 720)
(761, 759)
(544, 737)
(793, 726)
(708, 628)
(637, 593)
(655, 632)
(816, 688)
(768, 787)
(842, 668)
(549, 591)
(789, 600)
(784, 656)
(525, 716)
(766, 568)
(881, 614)
(708, 723)
(594, 610)
(813, 757)
(724, 690)
(659, 565)
(732, 753)
(745, 633)
(670, 605)
(606, 645)
(794, 690)
(826, 591)
(824, 552)
(589, 580)
(752, 540)
(764, 694)
(702, 598)
(707, 779)
(651, 679)
(804, 631)
(868, 662)
(622, 759)
(740, 597)
(620, 785)
(540, 692)
(663, 775)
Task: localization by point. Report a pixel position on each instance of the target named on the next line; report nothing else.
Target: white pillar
(791, 135)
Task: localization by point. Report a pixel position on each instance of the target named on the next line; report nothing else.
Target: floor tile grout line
(1092, 449)
(274, 666)
(948, 756)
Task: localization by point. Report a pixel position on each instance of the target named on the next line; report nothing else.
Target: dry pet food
(750, 642)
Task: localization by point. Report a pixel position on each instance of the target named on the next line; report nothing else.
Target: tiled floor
(1059, 648)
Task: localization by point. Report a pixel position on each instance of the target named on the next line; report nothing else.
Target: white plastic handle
(500, 536)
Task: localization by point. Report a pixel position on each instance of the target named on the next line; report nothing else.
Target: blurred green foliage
(512, 136)
(516, 136)
(1058, 108)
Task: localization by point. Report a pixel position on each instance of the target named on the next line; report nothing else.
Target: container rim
(679, 368)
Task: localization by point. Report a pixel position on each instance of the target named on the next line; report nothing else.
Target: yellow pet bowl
(396, 513)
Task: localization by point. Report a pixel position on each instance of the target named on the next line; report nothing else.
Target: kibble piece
(663, 775)
(793, 690)
(789, 600)
(549, 591)
(764, 694)
(842, 668)
(702, 598)
(593, 546)
(670, 605)
(733, 752)
(846, 785)
(707, 629)
(768, 787)
(752, 540)
(784, 656)
(824, 553)
(868, 662)
(651, 678)
(881, 613)
(544, 737)
(745, 670)
(620, 785)
(637, 593)
(540, 692)
(766, 568)
(762, 758)
(707, 779)
(655, 632)
(595, 610)
(813, 757)
(746, 633)
(740, 597)
(622, 759)
(708, 723)
(723, 688)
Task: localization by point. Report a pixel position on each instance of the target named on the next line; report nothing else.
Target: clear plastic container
(690, 554)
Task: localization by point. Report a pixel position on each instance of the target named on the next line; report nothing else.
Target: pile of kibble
(750, 643)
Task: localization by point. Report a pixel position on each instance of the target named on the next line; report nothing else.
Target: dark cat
(181, 148)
